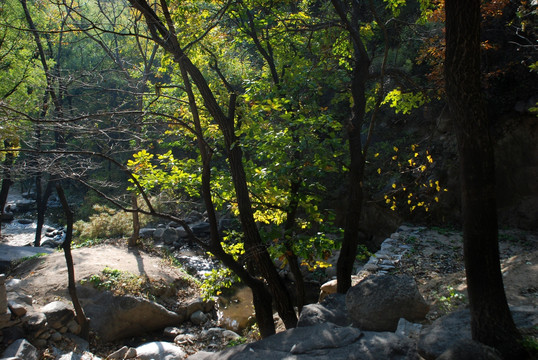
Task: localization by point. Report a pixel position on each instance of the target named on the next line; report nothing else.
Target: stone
(58, 314)
(35, 322)
(159, 350)
(146, 233)
(323, 341)
(116, 317)
(171, 331)
(230, 335)
(21, 349)
(73, 327)
(379, 301)
(201, 229)
(169, 236)
(56, 336)
(469, 350)
(17, 309)
(158, 233)
(332, 309)
(452, 328)
(198, 317)
(408, 329)
(13, 284)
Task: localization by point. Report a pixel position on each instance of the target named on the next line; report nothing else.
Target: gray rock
(146, 233)
(230, 335)
(455, 327)
(58, 314)
(159, 350)
(332, 309)
(21, 349)
(116, 317)
(169, 236)
(325, 341)
(469, 350)
(158, 233)
(378, 302)
(200, 229)
(409, 329)
(198, 317)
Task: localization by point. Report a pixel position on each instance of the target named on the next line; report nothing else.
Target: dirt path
(45, 278)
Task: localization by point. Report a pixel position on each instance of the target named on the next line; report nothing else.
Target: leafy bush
(106, 223)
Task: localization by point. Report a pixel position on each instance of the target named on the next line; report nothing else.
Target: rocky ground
(433, 256)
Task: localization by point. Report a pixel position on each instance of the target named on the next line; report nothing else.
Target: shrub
(106, 223)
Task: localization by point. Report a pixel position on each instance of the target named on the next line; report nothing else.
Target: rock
(116, 317)
(378, 302)
(169, 236)
(185, 339)
(159, 350)
(171, 331)
(455, 327)
(408, 329)
(469, 350)
(201, 229)
(158, 233)
(35, 322)
(17, 309)
(21, 349)
(198, 317)
(146, 233)
(324, 341)
(230, 335)
(58, 314)
(13, 284)
(332, 309)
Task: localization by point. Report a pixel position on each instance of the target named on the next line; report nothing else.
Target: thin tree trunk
(136, 223)
(81, 318)
(6, 176)
(491, 320)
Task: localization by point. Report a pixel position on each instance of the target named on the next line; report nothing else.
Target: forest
(310, 124)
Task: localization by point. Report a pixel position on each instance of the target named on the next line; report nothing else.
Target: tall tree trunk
(261, 297)
(348, 252)
(81, 318)
(491, 320)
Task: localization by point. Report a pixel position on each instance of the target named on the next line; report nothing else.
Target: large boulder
(323, 341)
(449, 330)
(116, 317)
(378, 302)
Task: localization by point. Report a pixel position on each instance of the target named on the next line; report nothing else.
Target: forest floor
(434, 259)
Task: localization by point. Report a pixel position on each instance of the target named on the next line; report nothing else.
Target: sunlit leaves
(404, 102)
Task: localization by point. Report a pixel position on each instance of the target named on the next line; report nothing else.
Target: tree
(491, 320)
(164, 32)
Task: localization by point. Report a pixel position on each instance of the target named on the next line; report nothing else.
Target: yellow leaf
(416, 154)
(436, 199)
(394, 186)
(379, 171)
(376, 154)
(387, 201)
(394, 158)
(395, 149)
(430, 159)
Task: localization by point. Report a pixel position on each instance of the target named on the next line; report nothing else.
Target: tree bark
(165, 36)
(6, 176)
(348, 252)
(81, 318)
(491, 320)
